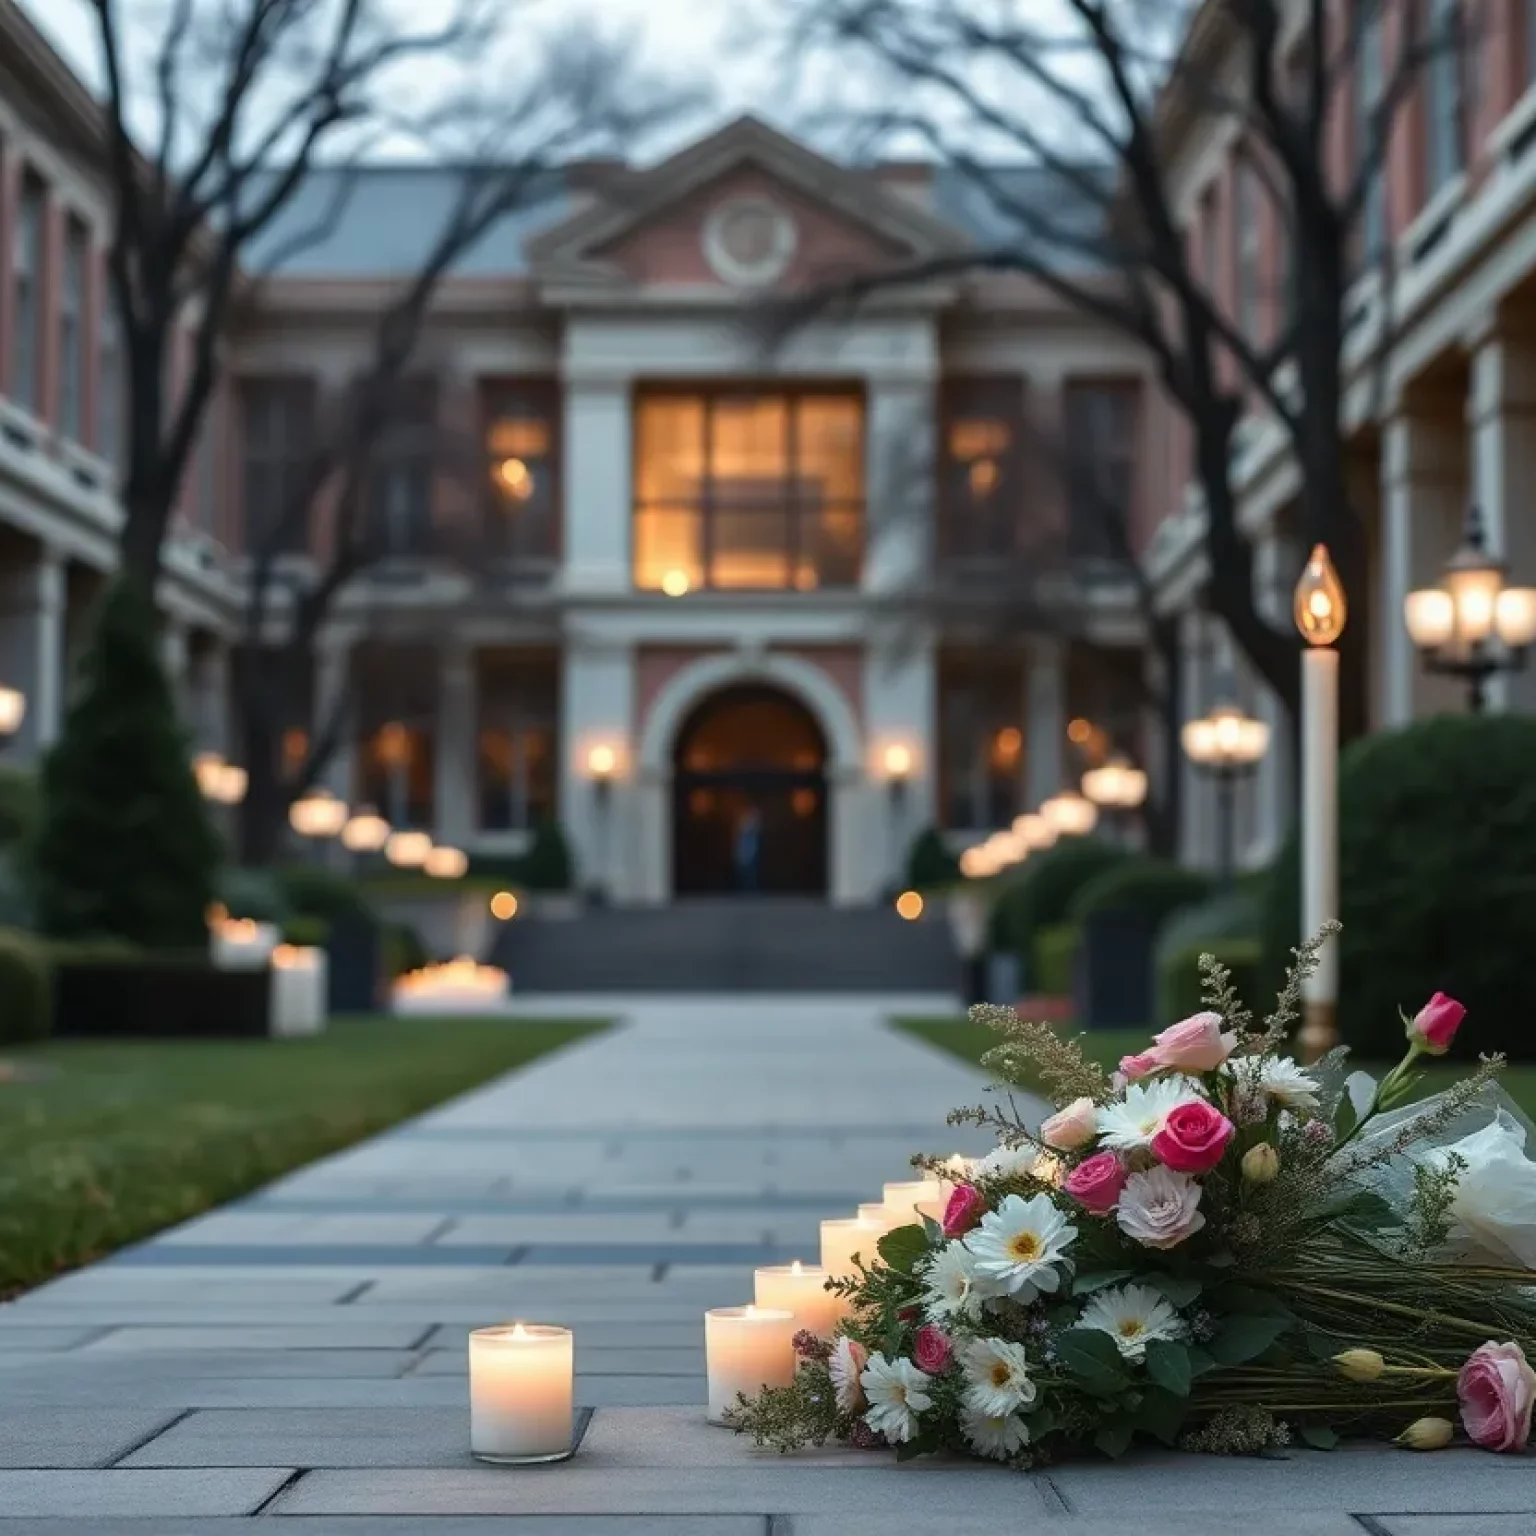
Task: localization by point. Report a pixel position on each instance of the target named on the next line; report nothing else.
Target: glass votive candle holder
(521, 1393)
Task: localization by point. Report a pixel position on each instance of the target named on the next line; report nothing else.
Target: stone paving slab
(120, 1372)
(391, 1525)
(591, 1360)
(75, 1437)
(36, 1338)
(337, 1335)
(139, 1495)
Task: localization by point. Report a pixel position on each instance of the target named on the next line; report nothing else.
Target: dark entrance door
(749, 807)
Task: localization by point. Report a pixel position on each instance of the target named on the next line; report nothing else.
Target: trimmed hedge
(18, 804)
(252, 893)
(1437, 876)
(1054, 959)
(1041, 892)
(1235, 914)
(403, 949)
(1178, 976)
(548, 866)
(307, 890)
(1151, 888)
(929, 862)
(307, 932)
(26, 988)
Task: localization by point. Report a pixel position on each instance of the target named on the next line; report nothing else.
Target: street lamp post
(1320, 610)
(1227, 745)
(1117, 787)
(1472, 626)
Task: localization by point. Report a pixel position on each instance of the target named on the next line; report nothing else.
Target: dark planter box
(164, 998)
(355, 964)
(1112, 987)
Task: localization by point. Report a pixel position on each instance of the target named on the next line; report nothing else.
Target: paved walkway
(299, 1357)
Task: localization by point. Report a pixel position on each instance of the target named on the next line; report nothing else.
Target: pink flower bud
(932, 1349)
(966, 1207)
(1434, 1026)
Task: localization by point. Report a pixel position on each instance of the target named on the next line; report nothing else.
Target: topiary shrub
(1150, 888)
(124, 846)
(1437, 880)
(26, 1000)
(307, 932)
(1178, 976)
(547, 866)
(1054, 958)
(252, 893)
(1043, 890)
(403, 949)
(308, 890)
(929, 862)
(1235, 914)
(18, 805)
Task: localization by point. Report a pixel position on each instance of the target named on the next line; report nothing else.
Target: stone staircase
(730, 944)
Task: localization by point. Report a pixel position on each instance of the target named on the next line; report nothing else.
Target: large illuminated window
(981, 457)
(522, 448)
(748, 489)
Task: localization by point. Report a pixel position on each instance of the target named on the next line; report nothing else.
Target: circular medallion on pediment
(748, 241)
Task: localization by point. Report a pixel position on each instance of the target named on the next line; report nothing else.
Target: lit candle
(521, 1386)
(746, 1349)
(298, 990)
(841, 1240)
(902, 1200)
(242, 944)
(801, 1289)
(957, 1170)
(879, 1214)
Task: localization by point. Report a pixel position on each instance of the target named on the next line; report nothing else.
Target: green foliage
(307, 932)
(929, 862)
(1180, 986)
(403, 949)
(15, 892)
(18, 804)
(252, 893)
(307, 890)
(26, 1004)
(1234, 914)
(1054, 959)
(547, 866)
(1437, 879)
(1152, 888)
(1043, 890)
(124, 846)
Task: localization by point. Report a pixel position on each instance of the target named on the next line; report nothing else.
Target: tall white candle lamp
(1320, 610)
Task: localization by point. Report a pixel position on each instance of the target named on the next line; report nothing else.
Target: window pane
(748, 448)
(28, 260)
(829, 449)
(521, 454)
(669, 549)
(749, 546)
(669, 449)
(981, 466)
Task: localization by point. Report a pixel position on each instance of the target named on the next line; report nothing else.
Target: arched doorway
(749, 757)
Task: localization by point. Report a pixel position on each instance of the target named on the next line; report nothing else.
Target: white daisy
(1287, 1084)
(897, 1393)
(1130, 1123)
(952, 1286)
(1005, 1163)
(995, 1435)
(845, 1367)
(997, 1377)
(1019, 1244)
(1132, 1315)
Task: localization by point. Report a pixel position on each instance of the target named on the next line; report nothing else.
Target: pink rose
(1496, 1386)
(966, 1207)
(1072, 1127)
(1134, 1067)
(1194, 1045)
(1434, 1026)
(932, 1350)
(1193, 1138)
(1160, 1208)
(1096, 1182)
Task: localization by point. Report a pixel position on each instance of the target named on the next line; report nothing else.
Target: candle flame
(797, 1268)
(751, 1310)
(518, 1331)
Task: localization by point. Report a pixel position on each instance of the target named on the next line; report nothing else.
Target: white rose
(1495, 1205)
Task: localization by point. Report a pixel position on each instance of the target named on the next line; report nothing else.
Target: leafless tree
(1101, 94)
(586, 98)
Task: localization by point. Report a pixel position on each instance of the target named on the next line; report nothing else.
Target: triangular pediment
(747, 206)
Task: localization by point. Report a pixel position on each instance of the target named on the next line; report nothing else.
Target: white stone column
(899, 480)
(598, 485)
(333, 693)
(1276, 568)
(1045, 720)
(899, 709)
(32, 602)
(453, 772)
(1423, 508)
(1501, 418)
(597, 708)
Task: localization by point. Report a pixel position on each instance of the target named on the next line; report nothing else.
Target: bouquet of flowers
(1213, 1247)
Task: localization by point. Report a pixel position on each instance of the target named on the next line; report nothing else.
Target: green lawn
(968, 1040)
(103, 1144)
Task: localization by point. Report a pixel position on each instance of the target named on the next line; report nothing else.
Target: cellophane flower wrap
(1217, 1249)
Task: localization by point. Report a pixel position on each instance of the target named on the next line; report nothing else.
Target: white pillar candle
(800, 1289)
(239, 943)
(902, 1200)
(879, 1214)
(1320, 823)
(746, 1349)
(521, 1388)
(842, 1239)
(298, 990)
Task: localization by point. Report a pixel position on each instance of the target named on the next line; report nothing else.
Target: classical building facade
(693, 588)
